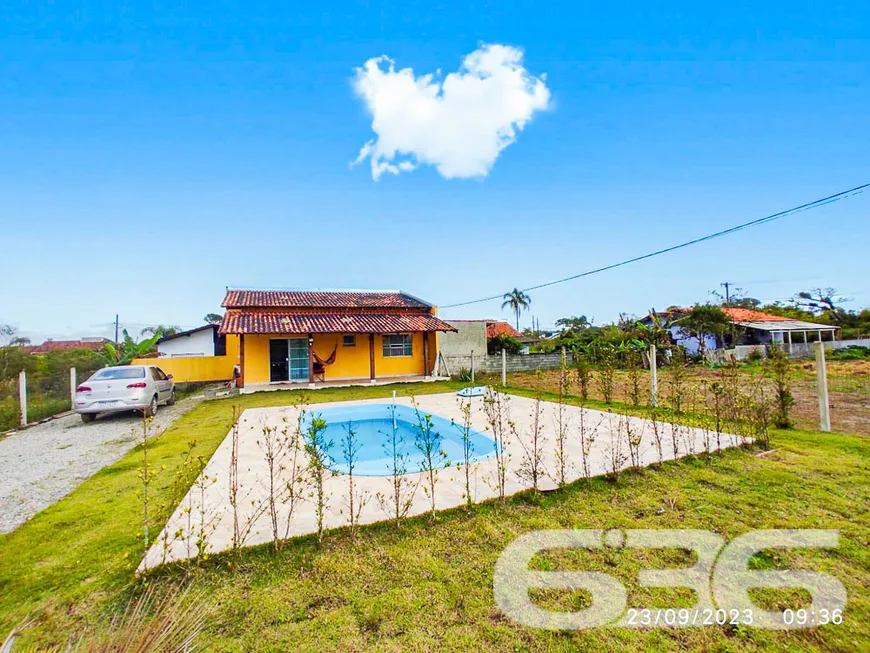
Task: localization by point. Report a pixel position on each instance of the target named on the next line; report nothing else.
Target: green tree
(573, 323)
(213, 318)
(13, 359)
(517, 301)
(778, 365)
(9, 334)
(704, 320)
(503, 341)
(821, 301)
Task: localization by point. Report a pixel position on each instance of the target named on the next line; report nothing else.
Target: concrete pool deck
(178, 540)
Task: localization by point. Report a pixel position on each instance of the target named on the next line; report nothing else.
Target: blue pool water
(372, 424)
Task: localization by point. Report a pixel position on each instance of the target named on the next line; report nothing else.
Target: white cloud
(459, 125)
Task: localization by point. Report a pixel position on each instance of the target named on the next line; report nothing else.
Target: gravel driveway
(44, 463)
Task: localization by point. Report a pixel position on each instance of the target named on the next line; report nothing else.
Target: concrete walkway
(208, 502)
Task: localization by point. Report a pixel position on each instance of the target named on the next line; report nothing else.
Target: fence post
(503, 367)
(22, 398)
(822, 382)
(72, 387)
(472, 366)
(653, 377)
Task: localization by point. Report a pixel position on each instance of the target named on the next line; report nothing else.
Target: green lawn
(429, 586)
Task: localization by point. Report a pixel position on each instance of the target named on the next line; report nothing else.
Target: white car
(126, 387)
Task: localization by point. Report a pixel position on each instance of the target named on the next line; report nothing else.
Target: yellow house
(309, 336)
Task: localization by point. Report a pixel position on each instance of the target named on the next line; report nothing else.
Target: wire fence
(48, 393)
(848, 387)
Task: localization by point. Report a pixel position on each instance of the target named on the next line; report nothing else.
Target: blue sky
(151, 155)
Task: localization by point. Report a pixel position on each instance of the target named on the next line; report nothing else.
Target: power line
(746, 225)
(764, 281)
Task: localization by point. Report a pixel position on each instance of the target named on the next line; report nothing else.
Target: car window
(155, 373)
(119, 373)
(161, 373)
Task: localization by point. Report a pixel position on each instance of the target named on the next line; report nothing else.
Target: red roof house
(751, 328)
(94, 344)
(306, 336)
(495, 329)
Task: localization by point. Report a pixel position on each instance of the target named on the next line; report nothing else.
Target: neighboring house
(495, 329)
(473, 335)
(470, 336)
(94, 344)
(304, 336)
(751, 328)
(202, 341)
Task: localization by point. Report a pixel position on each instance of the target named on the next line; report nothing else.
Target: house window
(397, 345)
(349, 341)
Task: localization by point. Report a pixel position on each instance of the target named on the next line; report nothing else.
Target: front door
(279, 362)
(288, 359)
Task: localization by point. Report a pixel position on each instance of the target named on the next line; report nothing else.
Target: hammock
(321, 361)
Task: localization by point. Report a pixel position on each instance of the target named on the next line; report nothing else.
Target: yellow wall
(189, 369)
(233, 348)
(350, 362)
(399, 365)
(256, 359)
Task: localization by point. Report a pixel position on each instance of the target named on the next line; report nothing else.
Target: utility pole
(727, 285)
(116, 329)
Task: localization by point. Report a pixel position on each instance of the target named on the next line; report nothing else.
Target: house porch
(320, 385)
(287, 360)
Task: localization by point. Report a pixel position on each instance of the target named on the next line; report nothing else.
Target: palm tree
(160, 330)
(517, 301)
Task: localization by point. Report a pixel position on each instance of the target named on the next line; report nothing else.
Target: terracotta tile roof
(280, 322)
(494, 329)
(62, 345)
(734, 314)
(749, 315)
(320, 299)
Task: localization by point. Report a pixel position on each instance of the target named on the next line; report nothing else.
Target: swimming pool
(372, 424)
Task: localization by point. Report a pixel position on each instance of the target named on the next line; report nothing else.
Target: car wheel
(151, 411)
(171, 401)
(87, 418)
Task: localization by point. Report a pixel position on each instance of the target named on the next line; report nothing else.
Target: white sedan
(122, 388)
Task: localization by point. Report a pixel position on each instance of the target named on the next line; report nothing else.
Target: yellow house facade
(312, 336)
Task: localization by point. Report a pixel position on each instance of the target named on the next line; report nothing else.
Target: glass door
(298, 359)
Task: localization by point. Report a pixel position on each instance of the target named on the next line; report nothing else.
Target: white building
(751, 328)
(202, 341)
